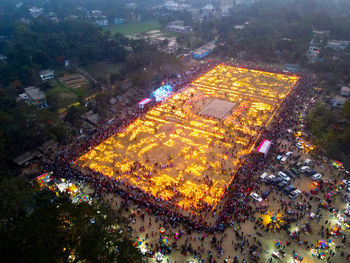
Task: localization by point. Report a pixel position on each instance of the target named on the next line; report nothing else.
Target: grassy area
(133, 28)
(62, 95)
(103, 70)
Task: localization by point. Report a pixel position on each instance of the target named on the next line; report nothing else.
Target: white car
(284, 176)
(299, 145)
(346, 182)
(307, 162)
(256, 197)
(317, 176)
(289, 153)
(305, 169)
(294, 194)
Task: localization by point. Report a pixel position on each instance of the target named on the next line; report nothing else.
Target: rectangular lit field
(178, 153)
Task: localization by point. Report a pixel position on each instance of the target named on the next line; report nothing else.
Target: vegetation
(43, 227)
(133, 27)
(330, 130)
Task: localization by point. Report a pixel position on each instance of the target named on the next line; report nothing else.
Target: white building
(313, 53)
(47, 74)
(171, 5)
(34, 96)
(339, 101)
(131, 5)
(35, 12)
(102, 22)
(208, 7)
(345, 91)
(338, 44)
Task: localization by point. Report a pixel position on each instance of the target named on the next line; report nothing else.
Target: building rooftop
(340, 99)
(25, 157)
(46, 72)
(345, 89)
(34, 93)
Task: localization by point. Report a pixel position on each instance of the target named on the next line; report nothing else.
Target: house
(46, 74)
(102, 22)
(339, 101)
(19, 5)
(91, 117)
(96, 13)
(225, 6)
(320, 34)
(179, 28)
(313, 53)
(36, 12)
(239, 27)
(131, 5)
(118, 20)
(34, 96)
(207, 10)
(23, 158)
(47, 146)
(345, 91)
(337, 44)
(171, 5)
(204, 50)
(292, 68)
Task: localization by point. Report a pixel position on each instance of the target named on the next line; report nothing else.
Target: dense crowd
(238, 191)
(236, 207)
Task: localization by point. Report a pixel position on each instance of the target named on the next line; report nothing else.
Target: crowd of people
(236, 207)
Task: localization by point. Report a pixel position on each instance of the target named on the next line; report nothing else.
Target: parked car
(289, 153)
(265, 194)
(294, 171)
(282, 185)
(276, 180)
(299, 145)
(346, 182)
(283, 176)
(255, 196)
(299, 164)
(284, 159)
(304, 169)
(317, 176)
(294, 194)
(289, 174)
(263, 177)
(289, 189)
(312, 172)
(307, 162)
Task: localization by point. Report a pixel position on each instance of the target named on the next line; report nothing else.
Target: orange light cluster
(178, 155)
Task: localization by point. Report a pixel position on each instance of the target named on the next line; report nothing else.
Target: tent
(43, 179)
(62, 187)
(73, 190)
(264, 147)
(143, 102)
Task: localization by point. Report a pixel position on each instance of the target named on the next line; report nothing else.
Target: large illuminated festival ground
(187, 149)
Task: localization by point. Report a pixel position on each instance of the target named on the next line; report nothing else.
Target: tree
(73, 116)
(56, 230)
(61, 132)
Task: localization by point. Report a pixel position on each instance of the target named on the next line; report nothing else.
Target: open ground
(133, 27)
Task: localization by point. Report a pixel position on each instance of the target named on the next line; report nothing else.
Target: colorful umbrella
(297, 257)
(322, 244)
(278, 243)
(324, 203)
(165, 240)
(138, 242)
(321, 254)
